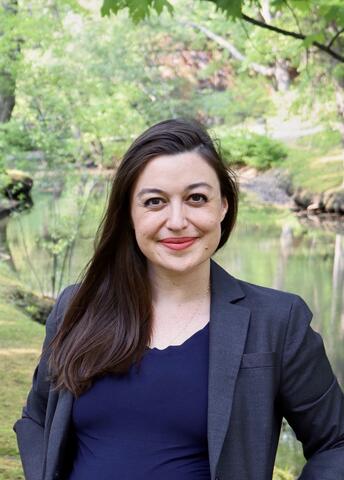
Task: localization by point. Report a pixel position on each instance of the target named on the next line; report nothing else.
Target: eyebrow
(158, 190)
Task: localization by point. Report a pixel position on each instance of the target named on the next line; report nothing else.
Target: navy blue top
(149, 424)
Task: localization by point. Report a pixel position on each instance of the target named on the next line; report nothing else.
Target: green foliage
(4, 180)
(315, 37)
(232, 9)
(253, 150)
(85, 87)
(326, 13)
(14, 138)
(137, 10)
(330, 10)
(59, 237)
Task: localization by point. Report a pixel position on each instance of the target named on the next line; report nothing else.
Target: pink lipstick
(178, 243)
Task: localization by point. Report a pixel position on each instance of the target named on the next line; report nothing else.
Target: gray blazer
(265, 363)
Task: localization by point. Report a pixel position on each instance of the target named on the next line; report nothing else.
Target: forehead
(180, 169)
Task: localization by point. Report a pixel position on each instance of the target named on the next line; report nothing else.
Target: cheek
(145, 224)
(209, 220)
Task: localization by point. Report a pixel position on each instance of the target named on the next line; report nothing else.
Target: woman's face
(176, 211)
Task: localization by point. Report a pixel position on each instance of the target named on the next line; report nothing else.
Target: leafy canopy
(329, 13)
(330, 10)
(138, 10)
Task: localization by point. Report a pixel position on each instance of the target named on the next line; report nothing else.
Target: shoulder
(267, 305)
(62, 302)
(279, 307)
(66, 296)
(267, 295)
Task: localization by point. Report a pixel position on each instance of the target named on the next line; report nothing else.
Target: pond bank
(275, 187)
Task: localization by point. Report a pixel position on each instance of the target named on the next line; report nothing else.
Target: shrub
(252, 149)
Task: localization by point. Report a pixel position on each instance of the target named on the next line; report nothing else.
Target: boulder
(302, 197)
(334, 200)
(19, 185)
(317, 204)
(38, 308)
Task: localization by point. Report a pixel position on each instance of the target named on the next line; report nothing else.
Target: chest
(176, 327)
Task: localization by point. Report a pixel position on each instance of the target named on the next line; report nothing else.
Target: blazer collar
(223, 284)
(228, 328)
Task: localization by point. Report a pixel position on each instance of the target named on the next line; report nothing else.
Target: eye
(198, 198)
(153, 202)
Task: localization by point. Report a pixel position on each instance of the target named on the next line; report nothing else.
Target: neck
(180, 287)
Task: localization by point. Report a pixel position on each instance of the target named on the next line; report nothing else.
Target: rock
(38, 308)
(270, 186)
(334, 200)
(318, 203)
(303, 197)
(283, 180)
(314, 208)
(19, 185)
(7, 206)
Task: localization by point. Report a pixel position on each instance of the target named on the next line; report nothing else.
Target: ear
(224, 208)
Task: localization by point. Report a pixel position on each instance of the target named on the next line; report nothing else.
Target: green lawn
(316, 162)
(20, 344)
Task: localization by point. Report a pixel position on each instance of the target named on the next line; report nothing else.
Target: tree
(316, 25)
(331, 11)
(10, 52)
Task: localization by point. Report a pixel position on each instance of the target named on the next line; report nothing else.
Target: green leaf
(138, 9)
(159, 5)
(302, 5)
(333, 13)
(111, 6)
(105, 8)
(232, 8)
(315, 37)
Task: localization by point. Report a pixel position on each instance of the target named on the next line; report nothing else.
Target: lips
(178, 239)
(178, 243)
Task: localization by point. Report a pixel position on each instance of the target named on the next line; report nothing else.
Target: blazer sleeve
(313, 402)
(30, 427)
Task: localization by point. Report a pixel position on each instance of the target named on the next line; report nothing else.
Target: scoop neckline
(174, 347)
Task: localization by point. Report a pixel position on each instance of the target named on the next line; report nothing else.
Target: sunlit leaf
(316, 37)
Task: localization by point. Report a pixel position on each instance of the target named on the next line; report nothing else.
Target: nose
(176, 219)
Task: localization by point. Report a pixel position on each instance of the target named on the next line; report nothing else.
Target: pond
(49, 245)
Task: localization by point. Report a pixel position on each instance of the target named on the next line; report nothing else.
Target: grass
(20, 346)
(316, 162)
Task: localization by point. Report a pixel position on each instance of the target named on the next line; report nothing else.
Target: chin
(181, 265)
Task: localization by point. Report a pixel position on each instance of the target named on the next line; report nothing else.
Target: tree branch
(299, 36)
(256, 67)
(335, 37)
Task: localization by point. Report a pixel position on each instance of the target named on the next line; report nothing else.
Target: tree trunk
(7, 96)
(8, 9)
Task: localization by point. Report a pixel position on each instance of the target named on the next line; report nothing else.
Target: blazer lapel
(227, 336)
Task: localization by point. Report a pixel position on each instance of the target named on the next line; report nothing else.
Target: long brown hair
(107, 325)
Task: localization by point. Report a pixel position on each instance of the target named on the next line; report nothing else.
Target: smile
(178, 243)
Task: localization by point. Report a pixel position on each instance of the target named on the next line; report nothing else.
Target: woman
(161, 365)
